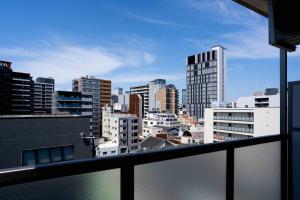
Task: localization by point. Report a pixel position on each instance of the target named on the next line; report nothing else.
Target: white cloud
(155, 20)
(144, 77)
(66, 61)
(250, 41)
(224, 11)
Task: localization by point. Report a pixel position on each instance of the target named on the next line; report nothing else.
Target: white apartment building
(222, 124)
(205, 80)
(161, 119)
(258, 101)
(121, 129)
(107, 149)
(154, 122)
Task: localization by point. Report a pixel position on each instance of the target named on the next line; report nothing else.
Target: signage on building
(4, 64)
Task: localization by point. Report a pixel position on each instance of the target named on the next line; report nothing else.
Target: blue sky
(132, 42)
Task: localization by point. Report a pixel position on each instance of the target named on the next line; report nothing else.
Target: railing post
(230, 174)
(283, 122)
(127, 182)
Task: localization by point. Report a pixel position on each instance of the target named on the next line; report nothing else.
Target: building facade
(101, 92)
(144, 92)
(121, 129)
(43, 90)
(5, 87)
(205, 80)
(42, 139)
(154, 87)
(136, 105)
(154, 122)
(118, 91)
(22, 93)
(114, 99)
(168, 99)
(71, 103)
(16, 91)
(107, 149)
(183, 98)
(261, 100)
(221, 124)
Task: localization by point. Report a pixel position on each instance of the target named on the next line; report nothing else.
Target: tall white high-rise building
(205, 80)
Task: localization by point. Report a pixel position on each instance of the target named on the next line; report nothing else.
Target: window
(68, 153)
(47, 155)
(104, 153)
(113, 152)
(55, 154)
(123, 150)
(28, 158)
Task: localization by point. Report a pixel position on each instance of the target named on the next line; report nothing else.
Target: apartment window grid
(201, 80)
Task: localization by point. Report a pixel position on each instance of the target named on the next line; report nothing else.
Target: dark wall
(18, 134)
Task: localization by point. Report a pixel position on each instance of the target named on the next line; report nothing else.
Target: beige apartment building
(167, 99)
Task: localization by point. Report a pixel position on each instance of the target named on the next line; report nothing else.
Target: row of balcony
(235, 129)
(234, 118)
(69, 98)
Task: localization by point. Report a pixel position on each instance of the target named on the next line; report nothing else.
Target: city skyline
(120, 41)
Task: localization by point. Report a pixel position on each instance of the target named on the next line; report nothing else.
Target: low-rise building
(161, 119)
(40, 139)
(158, 123)
(222, 124)
(192, 137)
(258, 100)
(107, 149)
(121, 129)
(158, 130)
(151, 143)
(72, 103)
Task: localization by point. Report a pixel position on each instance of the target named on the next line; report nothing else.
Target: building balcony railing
(69, 106)
(60, 98)
(234, 118)
(228, 170)
(234, 129)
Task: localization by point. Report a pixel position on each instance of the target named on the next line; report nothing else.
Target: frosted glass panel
(296, 164)
(257, 172)
(195, 177)
(103, 185)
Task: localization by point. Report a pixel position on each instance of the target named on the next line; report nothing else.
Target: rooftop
(40, 116)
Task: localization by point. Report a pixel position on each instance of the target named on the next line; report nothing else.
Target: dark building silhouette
(16, 91)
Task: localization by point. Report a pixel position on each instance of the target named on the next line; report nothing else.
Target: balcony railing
(61, 98)
(228, 170)
(234, 129)
(234, 118)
